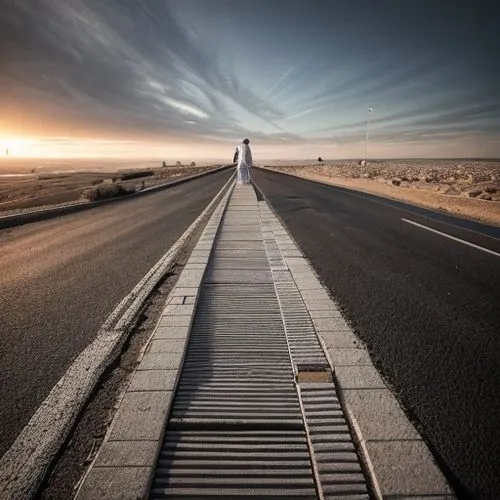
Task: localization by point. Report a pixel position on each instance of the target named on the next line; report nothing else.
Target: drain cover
(314, 373)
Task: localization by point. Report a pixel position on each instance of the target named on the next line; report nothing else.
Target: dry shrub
(106, 191)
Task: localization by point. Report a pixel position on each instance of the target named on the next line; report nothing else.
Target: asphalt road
(61, 278)
(428, 308)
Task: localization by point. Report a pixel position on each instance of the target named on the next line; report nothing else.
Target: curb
(24, 465)
(36, 215)
(126, 459)
(395, 455)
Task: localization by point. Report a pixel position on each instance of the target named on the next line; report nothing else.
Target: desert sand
(467, 188)
(22, 189)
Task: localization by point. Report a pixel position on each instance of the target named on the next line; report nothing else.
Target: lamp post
(366, 132)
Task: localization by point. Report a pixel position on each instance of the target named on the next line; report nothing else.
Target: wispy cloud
(141, 70)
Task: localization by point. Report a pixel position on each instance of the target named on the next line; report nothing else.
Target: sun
(13, 146)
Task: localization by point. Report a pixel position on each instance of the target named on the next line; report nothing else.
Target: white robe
(244, 163)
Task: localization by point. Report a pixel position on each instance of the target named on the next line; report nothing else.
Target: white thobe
(244, 163)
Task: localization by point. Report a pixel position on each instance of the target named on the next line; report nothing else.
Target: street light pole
(366, 132)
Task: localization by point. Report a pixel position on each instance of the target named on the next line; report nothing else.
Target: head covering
(246, 141)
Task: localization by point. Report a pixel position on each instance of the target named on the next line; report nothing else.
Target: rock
(396, 182)
(452, 190)
(366, 175)
(484, 196)
(474, 193)
(475, 178)
(415, 178)
(490, 189)
(405, 179)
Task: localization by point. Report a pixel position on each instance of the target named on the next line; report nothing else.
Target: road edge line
(24, 465)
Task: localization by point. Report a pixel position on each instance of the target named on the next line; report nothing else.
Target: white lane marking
(452, 237)
(25, 463)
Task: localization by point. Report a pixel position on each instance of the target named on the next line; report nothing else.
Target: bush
(105, 191)
(193, 164)
(127, 176)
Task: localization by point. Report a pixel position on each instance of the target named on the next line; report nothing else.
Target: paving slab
(340, 340)
(185, 291)
(125, 483)
(359, 377)
(141, 416)
(161, 361)
(379, 415)
(168, 321)
(349, 356)
(330, 324)
(397, 473)
(332, 313)
(167, 345)
(178, 310)
(127, 454)
(171, 332)
(153, 380)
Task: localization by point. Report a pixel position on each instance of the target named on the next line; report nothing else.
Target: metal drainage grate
(236, 427)
(337, 462)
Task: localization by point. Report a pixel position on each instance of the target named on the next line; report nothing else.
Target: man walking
(244, 162)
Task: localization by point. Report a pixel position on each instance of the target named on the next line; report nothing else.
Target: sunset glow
(190, 79)
(16, 146)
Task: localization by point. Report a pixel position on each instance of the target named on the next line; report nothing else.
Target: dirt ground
(470, 189)
(30, 190)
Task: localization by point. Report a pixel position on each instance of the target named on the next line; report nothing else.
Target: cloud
(116, 64)
(139, 70)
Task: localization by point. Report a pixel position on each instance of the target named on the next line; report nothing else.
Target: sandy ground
(470, 189)
(20, 191)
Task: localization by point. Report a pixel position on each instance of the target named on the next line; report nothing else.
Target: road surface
(426, 305)
(61, 278)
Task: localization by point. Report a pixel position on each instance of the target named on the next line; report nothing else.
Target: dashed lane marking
(452, 237)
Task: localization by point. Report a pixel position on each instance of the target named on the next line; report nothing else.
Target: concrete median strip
(396, 456)
(128, 454)
(318, 342)
(24, 465)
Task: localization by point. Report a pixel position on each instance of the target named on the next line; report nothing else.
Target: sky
(189, 79)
